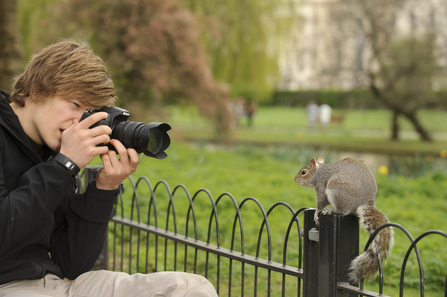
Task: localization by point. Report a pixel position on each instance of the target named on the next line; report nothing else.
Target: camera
(151, 139)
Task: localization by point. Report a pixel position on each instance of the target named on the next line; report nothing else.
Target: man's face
(51, 117)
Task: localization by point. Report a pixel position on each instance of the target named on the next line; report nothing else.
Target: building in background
(332, 47)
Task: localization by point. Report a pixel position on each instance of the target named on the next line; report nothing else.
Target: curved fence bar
(418, 255)
(407, 255)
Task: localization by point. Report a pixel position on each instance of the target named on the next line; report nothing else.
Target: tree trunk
(424, 135)
(411, 116)
(10, 48)
(395, 125)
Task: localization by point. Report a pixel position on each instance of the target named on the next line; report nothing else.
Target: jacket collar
(10, 122)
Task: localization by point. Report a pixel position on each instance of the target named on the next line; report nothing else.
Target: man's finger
(94, 118)
(119, 147)
(134, 158)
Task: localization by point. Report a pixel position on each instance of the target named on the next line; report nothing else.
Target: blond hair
(66, 69)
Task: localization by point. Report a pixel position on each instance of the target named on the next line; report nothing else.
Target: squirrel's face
(303, 177)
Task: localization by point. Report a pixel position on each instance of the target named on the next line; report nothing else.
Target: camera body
(151, 139)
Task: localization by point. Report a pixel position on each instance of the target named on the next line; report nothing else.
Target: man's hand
(116, 170)
(79, 142)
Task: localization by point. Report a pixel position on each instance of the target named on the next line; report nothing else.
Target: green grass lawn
(362, 130)
(284, 144)
(266, 173)
(289, 117)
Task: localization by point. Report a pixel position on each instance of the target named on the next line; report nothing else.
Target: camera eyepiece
(151, 139)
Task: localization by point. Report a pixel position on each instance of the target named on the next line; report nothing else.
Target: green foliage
(339, 99)
(30, 15)
(352, 99)
(243, 39)
(409, 73)
(152, 49)
(10, 51)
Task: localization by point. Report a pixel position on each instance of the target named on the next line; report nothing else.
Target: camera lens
(154, 140)
(150, 139)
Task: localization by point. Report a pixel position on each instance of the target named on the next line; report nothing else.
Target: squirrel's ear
(312, 162)
(320, 161)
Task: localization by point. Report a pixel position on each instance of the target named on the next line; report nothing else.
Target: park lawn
(266, 173)
(276, 116)
(336, 142)
(361, 131)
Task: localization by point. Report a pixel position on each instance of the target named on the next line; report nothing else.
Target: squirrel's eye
(303, 172)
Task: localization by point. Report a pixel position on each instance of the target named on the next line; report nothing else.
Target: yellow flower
(443, 154)
(383, 170)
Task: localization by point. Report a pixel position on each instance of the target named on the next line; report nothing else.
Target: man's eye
(76, 104)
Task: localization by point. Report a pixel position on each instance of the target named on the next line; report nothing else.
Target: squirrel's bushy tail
(367, 264)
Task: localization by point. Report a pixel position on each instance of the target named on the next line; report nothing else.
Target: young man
(48, 230)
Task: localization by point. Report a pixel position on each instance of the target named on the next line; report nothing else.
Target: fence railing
(243, 249)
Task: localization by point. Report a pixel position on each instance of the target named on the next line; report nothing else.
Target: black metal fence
(243, 249)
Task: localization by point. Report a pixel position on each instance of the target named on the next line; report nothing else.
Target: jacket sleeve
(44, 192)
(81, 229)
(26, 210)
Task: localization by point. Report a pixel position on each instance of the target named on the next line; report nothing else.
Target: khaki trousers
(113, 284)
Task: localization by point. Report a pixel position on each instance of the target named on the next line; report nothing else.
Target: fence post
(339, 244)
(101, 263)
(311, 255)
(328, 252)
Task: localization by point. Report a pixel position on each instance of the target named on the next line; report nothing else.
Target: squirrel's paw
(317, 217)
(327, 211)
(324, 212)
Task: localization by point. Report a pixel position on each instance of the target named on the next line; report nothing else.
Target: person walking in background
(312, 114)
(325, 116)
(250, 111)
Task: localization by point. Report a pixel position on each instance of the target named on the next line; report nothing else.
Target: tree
(152, 49)
(404, 83)
(10, 49)
(399, 68)
(243, 39)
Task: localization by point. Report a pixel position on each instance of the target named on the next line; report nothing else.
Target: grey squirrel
(350, 187)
